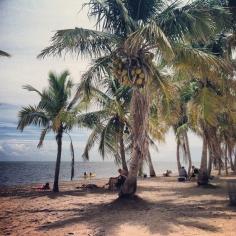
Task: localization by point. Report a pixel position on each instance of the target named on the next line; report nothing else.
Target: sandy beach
(162, 207)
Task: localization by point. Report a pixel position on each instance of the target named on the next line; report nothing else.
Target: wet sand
(162, 207)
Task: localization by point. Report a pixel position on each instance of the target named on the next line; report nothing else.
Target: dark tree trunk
(188, 152)
(234, 162)
(58, 161)
(226, 160)
(139, 115)
(219, 167)
(203, 177)
(122, 150)
(150, 164)
(140, 170)
(178, 156)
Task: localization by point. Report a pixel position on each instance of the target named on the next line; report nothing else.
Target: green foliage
(51, 112)
(108, 122)
(80, 42)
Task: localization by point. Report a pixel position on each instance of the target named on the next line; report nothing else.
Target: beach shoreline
(163, 206)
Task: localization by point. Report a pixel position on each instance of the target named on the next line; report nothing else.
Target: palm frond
(93, 138)
(143, 10)
(199, 64)
(194, 21)
(111, 15)
(149, 36)
(31, 89)
(108, 139)
(42, 136)
(32, 115)
(80, 41)
(72, 158)
(98, 70)
(91, 119)
(4, 54)
(205, 108)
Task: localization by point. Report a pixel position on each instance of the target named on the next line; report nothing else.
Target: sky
(26, 28)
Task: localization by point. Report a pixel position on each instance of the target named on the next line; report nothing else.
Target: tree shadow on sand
(158, 217)
(31, 193)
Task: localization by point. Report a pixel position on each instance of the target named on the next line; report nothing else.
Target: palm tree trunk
(203, 165)
(231, 162)
(230, 154)
(234, 162)
(226, 160)
(150, 164)
(139, 114)
(188, 152)
(178, 155)
(210, 156)
(122, 150)
(140, 171)
(219, 167)
(203, 175)
(58, 161)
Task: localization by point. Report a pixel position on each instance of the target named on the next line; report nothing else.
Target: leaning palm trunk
(188, 152)
(150, 164)
(139, 115)
(58, 161)
(122, 150)
(178, 155)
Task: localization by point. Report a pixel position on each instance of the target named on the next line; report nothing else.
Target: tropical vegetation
(158, 50)
(54, 112)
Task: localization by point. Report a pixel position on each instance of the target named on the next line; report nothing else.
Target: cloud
(26, 150)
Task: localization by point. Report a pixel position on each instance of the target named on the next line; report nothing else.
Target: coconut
(142, 75)
(138, 71)
(139, 81)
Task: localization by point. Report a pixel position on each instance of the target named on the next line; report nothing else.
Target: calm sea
(20, 173)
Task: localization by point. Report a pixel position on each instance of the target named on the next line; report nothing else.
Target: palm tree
(181, 127)
(133, 44)
(110, 122)
(52, 113)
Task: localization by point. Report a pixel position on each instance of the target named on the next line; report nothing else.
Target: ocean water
(20, 173)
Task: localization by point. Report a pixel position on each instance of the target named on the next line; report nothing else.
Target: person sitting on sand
(116, 182)
(167, 173)
(121, 178)
(195, 172)
(182, 174)
(45, 186)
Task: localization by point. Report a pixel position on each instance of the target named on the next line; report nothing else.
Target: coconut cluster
(131, 71)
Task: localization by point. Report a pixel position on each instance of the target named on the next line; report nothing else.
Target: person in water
(91, 174)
